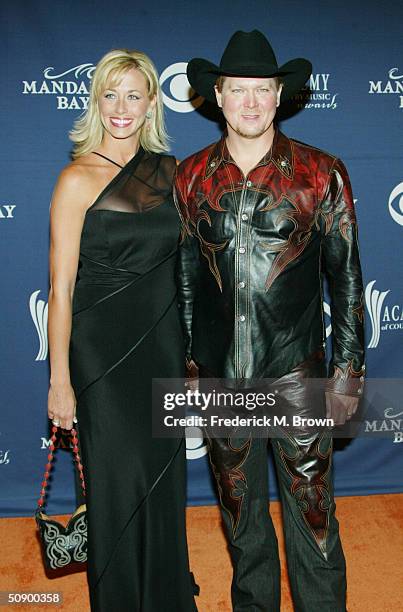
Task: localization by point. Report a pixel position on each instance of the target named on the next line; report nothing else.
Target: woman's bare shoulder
(77, 179)
(80, 169)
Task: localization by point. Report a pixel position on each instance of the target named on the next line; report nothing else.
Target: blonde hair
(88, 130)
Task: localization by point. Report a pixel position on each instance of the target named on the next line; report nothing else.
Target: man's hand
(340, 407)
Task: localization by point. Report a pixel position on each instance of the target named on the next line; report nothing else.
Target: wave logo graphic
(374, 300)
(388, 413)
(39, 313)
(394, 85)
(78, 71)
(195, 446)
(182, 98)
(397, 193)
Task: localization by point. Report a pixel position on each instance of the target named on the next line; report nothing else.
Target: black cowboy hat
(248, 54)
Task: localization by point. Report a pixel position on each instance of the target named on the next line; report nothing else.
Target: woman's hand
(62, 405)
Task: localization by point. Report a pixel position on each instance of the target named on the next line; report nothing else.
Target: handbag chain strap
(76, 460)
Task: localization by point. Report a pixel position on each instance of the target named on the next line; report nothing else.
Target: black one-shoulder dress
(126, 331)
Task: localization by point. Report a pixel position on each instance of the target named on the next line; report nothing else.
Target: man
(263, 217)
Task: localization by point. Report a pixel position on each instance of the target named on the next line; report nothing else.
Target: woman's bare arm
(71, 198)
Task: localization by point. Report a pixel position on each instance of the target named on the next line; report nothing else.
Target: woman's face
(123, 106)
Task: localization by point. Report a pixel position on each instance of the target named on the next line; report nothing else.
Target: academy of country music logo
(7, 211)
(384, 316)
(70, 86)
(396, 212)
(321, 96)
(392, 85)
(392, 422)
(39, 313)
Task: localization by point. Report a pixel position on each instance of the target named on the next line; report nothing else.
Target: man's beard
(251, 136)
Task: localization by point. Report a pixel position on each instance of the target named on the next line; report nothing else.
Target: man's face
(249, 104)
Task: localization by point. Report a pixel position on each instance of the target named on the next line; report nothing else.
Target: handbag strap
(49, 465)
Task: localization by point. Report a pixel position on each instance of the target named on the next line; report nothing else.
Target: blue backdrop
(355, 111)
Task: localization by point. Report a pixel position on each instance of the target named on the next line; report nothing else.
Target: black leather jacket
(253, 253)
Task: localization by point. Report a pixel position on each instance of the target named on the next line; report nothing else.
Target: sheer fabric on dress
(148, 186)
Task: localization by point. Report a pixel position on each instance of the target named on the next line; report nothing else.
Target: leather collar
(281, 154)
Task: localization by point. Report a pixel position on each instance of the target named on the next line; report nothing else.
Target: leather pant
(303, 462)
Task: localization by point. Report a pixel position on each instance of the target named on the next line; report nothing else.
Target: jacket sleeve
(187, 264)
(341, 262)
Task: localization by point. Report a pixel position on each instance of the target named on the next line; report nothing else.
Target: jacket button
(241, 285)
(242, 318)
(244, 217)
(242, 250)
(249, 183)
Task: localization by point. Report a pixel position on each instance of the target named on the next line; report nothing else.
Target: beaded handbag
(61, 544)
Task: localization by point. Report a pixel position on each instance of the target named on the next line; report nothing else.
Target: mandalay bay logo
(318, 94)
(393, 85)
(7, 211)
(70, 87)
(392, 422)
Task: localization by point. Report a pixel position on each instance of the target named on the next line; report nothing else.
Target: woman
(113, 326)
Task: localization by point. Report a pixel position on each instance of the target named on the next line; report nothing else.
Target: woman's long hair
(88, 130)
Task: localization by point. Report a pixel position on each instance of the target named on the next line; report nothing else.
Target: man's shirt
(253, 254)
